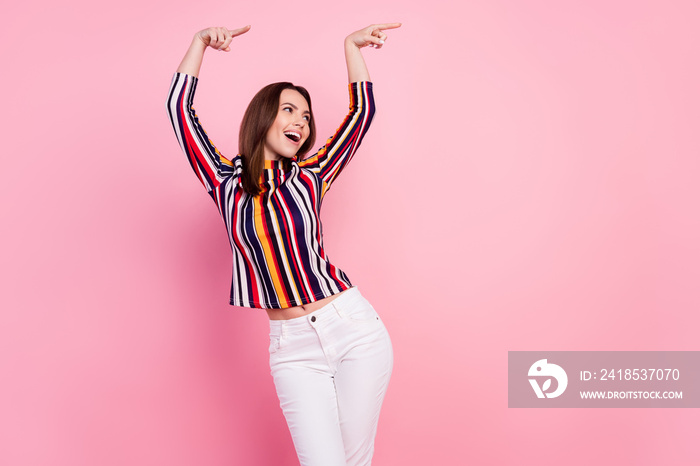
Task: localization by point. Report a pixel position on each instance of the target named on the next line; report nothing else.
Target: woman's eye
(307, 118)
(287, 108)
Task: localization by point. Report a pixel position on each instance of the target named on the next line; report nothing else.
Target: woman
(330, 355)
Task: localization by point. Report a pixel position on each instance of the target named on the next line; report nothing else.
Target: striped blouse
(276, 237)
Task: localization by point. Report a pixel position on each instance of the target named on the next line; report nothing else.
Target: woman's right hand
(220, 38)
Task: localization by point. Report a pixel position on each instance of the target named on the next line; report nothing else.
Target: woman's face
(290, 128)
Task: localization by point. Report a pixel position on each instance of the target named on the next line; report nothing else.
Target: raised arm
(206, 161)
(330, 160)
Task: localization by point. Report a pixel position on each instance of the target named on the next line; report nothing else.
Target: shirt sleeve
(207, 162)
(330, 159)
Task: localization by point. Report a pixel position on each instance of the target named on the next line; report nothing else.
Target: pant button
(313, 318)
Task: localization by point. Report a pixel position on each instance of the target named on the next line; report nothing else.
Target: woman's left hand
(371, 35)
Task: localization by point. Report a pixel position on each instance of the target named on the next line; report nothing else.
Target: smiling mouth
(294, 137)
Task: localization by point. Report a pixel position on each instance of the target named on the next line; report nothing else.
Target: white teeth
(296, 136)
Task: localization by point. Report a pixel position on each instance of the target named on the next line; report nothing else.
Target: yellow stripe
(269, 255)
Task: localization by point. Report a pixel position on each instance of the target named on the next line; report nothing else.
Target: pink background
(530, 182)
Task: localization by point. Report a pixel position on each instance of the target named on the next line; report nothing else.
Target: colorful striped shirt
(276, 237)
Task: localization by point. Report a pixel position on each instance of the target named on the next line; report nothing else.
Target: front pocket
(362, 314)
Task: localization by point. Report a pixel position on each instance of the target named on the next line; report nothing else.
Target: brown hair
(257, 120)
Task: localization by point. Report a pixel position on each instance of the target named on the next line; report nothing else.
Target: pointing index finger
(239, 31)
(389, 25)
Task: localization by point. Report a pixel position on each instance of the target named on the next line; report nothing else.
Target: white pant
(331, 369)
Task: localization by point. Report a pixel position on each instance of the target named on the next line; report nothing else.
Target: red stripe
(193, 149)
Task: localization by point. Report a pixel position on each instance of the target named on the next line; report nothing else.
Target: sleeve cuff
(355, 87)
(187, 76)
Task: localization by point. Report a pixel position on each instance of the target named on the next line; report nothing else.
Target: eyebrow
(295, 107)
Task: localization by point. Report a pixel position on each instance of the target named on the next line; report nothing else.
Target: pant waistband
(307, 321)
